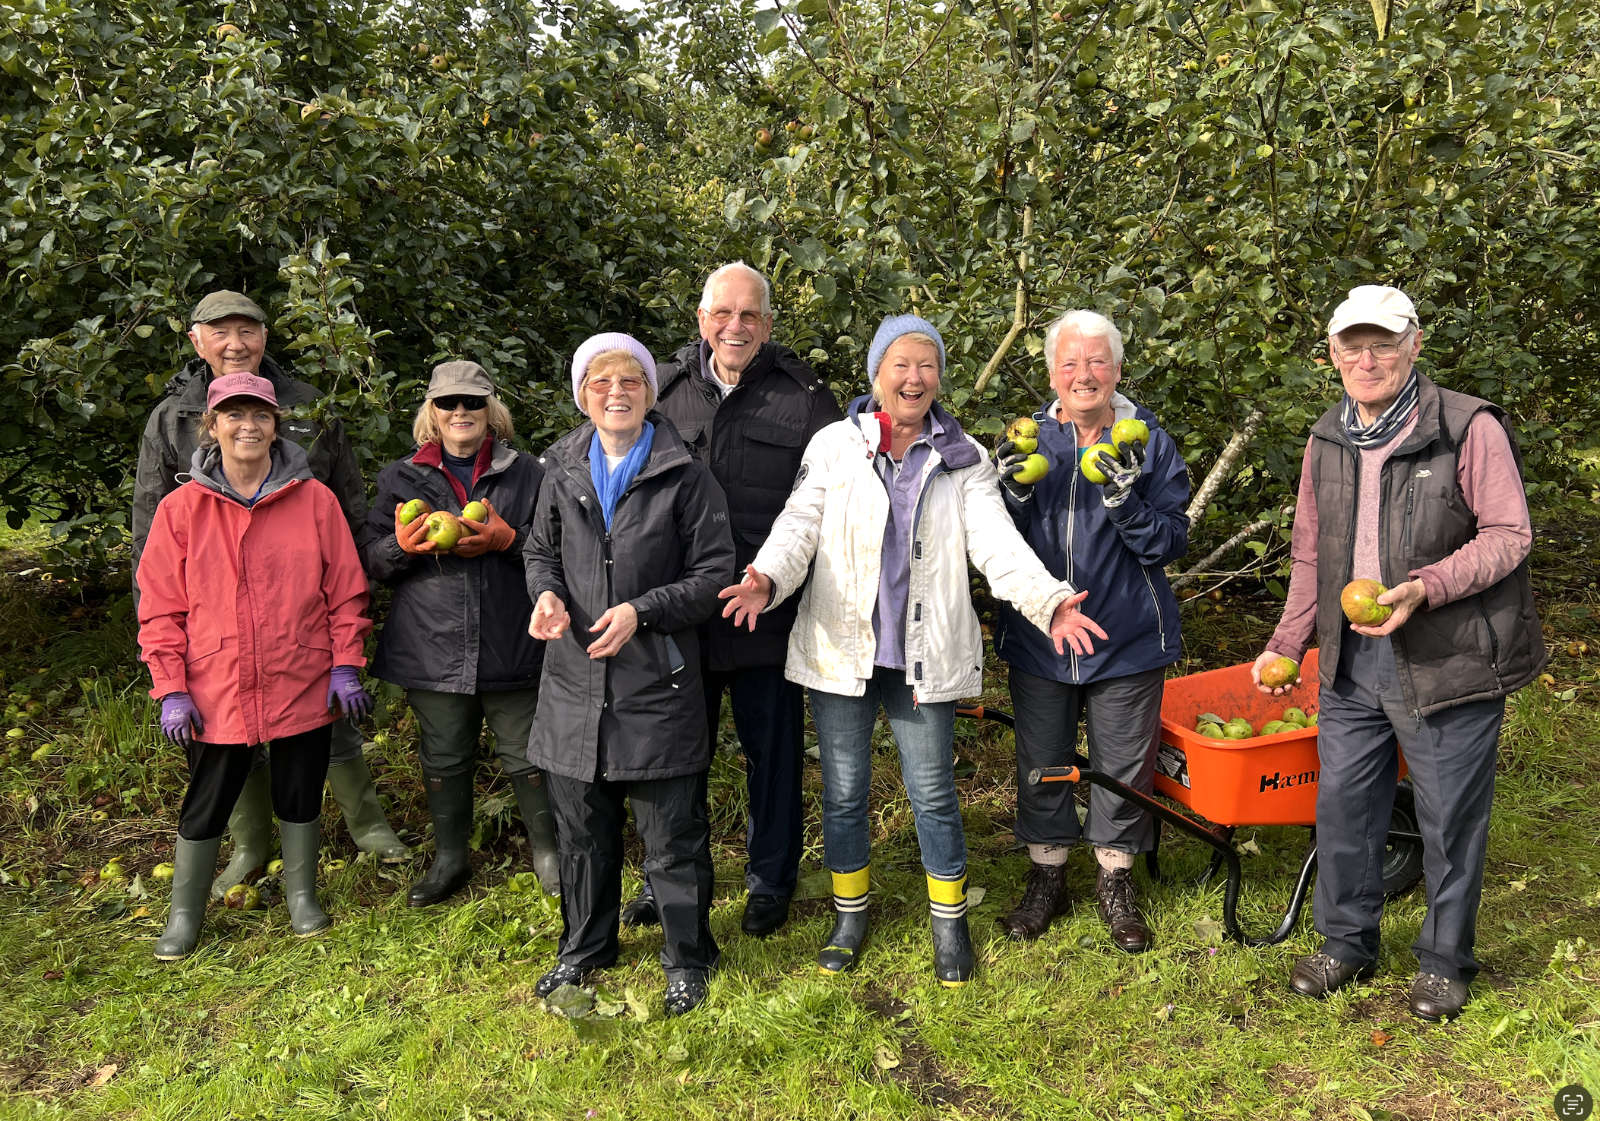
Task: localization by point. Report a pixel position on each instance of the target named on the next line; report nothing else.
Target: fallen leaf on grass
(53, 974)
(1380, 1037)
(1248, 847)
(103, 1075)
(570, 1001)
(1519, 885)
(1208, 929)
(884, 1058)
(975, 896)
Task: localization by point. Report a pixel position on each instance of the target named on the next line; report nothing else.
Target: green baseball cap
(223, 303)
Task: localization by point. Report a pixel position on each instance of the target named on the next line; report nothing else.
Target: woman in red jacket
(252, 615)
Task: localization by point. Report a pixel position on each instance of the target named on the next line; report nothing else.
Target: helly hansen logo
(1280, 781)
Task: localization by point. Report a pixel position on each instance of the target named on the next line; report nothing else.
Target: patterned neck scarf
(1388, 423)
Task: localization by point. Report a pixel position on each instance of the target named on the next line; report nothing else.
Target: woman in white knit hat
(629, 546)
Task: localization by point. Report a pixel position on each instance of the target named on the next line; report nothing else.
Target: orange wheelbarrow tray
(1225, 784)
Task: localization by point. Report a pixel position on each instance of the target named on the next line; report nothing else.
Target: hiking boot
(1119, 907)
(1043, 898)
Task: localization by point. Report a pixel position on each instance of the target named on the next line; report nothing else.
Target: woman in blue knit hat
(889, 505)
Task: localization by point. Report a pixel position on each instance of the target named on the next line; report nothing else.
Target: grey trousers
(451, 722)
(1123, 715)
(1451, 758)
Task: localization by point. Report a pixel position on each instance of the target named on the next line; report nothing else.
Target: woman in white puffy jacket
(889, 505)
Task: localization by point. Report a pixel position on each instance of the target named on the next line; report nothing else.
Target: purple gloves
(345, 687)
(177, 713)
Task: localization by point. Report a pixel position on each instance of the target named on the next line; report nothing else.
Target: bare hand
(747, 599)
(1266, 659)
(616, 626)
(1406, 599)
(550, 619)
(1071, 627)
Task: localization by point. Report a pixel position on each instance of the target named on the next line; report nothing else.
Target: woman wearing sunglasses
(456, 637)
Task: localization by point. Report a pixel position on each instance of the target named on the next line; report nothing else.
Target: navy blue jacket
(1118, 556)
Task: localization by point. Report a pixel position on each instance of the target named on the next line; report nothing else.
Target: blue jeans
(925, 735)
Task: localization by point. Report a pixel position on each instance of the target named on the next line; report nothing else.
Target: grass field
(400, 1013)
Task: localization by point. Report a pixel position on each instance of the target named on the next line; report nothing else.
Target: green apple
(413, 510)
(444, 530)
(1130, 430)
(1089, 463)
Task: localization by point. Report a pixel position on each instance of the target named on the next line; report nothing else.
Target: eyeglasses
(721, 317)
(451, 404)
(1381, 352)
(602, 386)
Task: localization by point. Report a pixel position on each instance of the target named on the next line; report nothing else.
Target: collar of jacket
(693, 358)
(492, 456)
(289, 465)
(955, 450)
(667, 450)
(1122, 408)
(1330, 426)
(195, 378)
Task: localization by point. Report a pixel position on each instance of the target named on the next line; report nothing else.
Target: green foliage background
(401, 183)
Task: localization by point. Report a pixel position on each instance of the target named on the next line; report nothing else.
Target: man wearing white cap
(1419, 488)
(228, 331)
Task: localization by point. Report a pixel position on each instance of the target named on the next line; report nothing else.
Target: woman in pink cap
(252, 616)
(630, 543)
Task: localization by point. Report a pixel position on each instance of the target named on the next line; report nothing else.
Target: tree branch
(1203, 566)
(1225, 464)
(1019, 315)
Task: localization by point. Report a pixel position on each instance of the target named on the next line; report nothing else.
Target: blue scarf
(609, 485)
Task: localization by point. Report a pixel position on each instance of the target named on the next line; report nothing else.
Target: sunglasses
(451, 404)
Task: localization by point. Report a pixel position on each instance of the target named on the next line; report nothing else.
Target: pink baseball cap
(240, 385)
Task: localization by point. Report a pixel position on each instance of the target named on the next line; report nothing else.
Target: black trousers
(769, 715)
(297, 767)
(670, 816)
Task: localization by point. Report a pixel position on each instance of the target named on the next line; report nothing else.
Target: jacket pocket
(202, 645)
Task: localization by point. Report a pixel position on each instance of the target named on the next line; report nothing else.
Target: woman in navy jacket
(1113, 541)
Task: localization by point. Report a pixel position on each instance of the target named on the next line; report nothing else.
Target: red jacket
(248, 609)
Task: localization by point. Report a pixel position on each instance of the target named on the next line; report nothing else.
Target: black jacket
(456, 624)
(641, 713)
(753, 441)
(170, 439)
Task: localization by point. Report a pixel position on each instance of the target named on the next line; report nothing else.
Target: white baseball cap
(1377, 305)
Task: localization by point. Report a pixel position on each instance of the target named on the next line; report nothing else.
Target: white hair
(736, 266)
(1084, 324)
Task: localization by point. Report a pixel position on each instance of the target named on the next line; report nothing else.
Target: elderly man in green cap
(229, 333)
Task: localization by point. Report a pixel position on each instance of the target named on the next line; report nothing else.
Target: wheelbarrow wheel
(1402, 857)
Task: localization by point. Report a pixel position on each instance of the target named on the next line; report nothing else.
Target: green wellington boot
(450, 806)
(193, 862)
(351, 783)
(250, 829)
(534, 802)
(302, 841)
